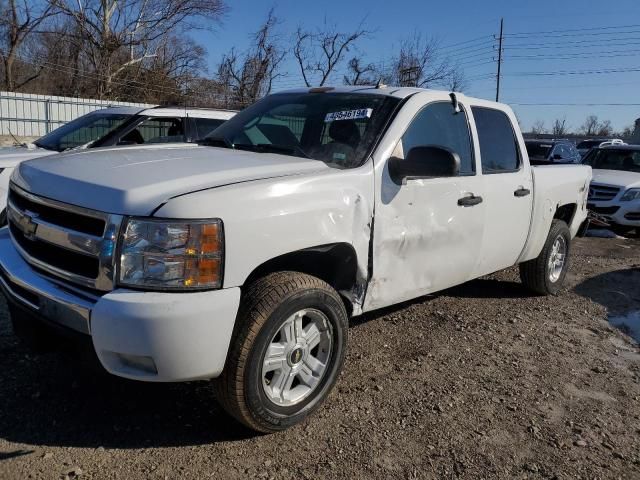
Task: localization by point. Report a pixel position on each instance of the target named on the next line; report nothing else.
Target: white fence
(28, 115)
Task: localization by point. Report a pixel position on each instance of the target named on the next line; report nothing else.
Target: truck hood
(12, 156)
(136, 180)
(617, 178)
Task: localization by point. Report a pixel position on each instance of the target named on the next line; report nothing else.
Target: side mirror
(126, 142)
(425, 161)
(557, 156)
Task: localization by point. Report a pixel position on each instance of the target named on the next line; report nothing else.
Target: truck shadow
(619, 293)
(478, 288)
(60, 399)
(50, 400)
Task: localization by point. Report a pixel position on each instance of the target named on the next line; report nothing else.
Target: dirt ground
(481, 381)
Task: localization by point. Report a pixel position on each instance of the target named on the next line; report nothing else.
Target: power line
(569, 56)
(576, 72)
(564, 35)
(576, 44)
(612, 27)
(465, 42)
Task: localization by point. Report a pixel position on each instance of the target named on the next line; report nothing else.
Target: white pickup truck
(242, 260)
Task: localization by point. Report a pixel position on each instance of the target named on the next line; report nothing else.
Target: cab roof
(195, 112)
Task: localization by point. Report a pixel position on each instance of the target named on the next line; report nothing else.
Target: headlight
(631, 194)
(171, 254)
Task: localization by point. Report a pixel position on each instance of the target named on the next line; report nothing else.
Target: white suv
(615, 189)
(112, 127)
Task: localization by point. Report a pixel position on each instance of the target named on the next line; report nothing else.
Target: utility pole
(499, 61)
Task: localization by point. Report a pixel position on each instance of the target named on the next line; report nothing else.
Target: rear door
(508, 189)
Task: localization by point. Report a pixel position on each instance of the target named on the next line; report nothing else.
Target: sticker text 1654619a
(349, 115)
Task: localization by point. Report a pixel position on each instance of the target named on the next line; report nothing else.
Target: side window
(498, 145)
(560, 150)
(204, 126)
(437, 124)
(156, 130)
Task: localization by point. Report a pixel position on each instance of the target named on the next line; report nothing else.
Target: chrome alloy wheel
(297, 357)
(557, 258)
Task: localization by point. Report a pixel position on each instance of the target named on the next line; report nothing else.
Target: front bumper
(620, 213)
(150, 336)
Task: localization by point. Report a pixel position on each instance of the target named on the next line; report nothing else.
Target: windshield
(610, 159)
(82, 130)
(337, 128)
(538, 150)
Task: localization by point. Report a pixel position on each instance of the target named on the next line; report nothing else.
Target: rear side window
(498, 145)
(438, 124)
(204, 126)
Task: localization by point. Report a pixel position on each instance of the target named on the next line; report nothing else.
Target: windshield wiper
(216, 142)
(273, 148)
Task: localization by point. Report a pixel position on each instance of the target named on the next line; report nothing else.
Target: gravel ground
(482, 380)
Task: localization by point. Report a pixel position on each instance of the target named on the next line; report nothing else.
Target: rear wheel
(546, 273)
(287, 351)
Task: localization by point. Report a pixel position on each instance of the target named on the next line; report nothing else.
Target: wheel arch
(566, 213)
(334, 263)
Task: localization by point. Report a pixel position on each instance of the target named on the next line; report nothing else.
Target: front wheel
(287, 351)
(546, 273)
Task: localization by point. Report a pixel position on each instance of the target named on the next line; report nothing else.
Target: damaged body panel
(270, 218)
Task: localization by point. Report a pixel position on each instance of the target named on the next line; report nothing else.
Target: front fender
(265, 219)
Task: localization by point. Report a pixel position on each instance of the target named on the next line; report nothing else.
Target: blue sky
(583, 38)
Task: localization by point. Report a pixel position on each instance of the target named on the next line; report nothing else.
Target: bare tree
(250, 76)
(456, 81)
(538, 127)
(626, 133)
(418, 64)
(319, 52)
(359, 73)
(560, 128)
(19, 20)
(116, 35)
(590, 126)
(605, 129)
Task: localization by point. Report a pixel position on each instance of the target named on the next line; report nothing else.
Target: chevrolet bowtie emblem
(27, 225)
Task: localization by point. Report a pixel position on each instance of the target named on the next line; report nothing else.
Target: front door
(426, 234)
(508, 190)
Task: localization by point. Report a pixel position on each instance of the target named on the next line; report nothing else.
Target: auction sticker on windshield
(349, 115)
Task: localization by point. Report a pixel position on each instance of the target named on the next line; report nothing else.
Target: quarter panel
(554, 186)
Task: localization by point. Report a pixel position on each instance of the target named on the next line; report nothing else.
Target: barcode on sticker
(349, 115)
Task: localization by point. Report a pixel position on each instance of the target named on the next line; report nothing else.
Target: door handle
(469, 201)
(521, 192)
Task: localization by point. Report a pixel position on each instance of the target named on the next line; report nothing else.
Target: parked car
(615, 190)
(586, 145)
(110, 127)
(243, 259)
(545, 152)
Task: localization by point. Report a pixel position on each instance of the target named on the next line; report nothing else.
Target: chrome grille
(602, 193)
(69, 242)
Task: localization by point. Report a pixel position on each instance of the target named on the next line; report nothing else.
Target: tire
(538, 274)
(248, 388)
